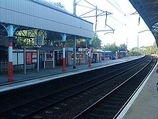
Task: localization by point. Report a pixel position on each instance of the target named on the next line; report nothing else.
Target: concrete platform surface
(31, 75)
(144, 104)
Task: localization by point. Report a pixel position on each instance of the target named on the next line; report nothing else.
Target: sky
(125, 25)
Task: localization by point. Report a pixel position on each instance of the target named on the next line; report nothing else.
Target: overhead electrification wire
(85, 6)
(116, 7)
(119, 6)
(103, 13)
(86, 13)
(120, 10)
(117, 20)
(78, 1)
(90, 3)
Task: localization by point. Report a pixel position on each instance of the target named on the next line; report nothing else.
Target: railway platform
(144, 104)
(30, 75)
(53, 73)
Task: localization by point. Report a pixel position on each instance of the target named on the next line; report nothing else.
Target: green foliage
(123, 46)
(26, 37)
(148, 50)
(96, 42)
(81, 42)
(70, 43)
(145, 50)
(113, 47)
(134, 51)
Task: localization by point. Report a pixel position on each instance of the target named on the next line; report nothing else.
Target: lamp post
(134, 13)
(138, 36)
(137, 44)
(138, 40)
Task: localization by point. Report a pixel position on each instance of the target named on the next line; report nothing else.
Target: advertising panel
(28, 58)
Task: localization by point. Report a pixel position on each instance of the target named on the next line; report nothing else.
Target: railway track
(110, 105)
(70, 102)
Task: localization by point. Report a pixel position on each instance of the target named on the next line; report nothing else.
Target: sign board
(20, 58)
(34, 57)
(49, 56)
(17, 58)
(28, 58)
(38, 41)
(15, 61)
(31, 57)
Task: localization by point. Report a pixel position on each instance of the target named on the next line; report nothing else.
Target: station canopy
(148, 10)
(42, 15)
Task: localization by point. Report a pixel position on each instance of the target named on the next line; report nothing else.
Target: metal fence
(3, 66)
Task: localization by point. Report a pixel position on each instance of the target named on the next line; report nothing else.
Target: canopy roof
(43, 15)
(148, 10)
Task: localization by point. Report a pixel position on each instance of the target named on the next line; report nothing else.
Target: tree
(81, 42)
(111, 47)
(27, 37)
(59, 4)
(123, 46)
(96, 42)
(152, 49)
(134, 51)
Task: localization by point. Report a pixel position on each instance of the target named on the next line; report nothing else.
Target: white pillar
(63, 59)
(10, 31)
(74, 54)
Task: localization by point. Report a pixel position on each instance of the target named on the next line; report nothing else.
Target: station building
(33, 33)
